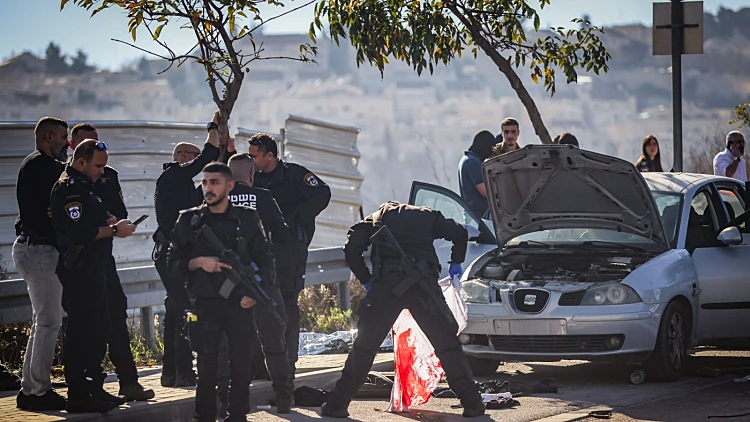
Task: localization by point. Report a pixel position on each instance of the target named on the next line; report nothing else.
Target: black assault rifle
(416, 274)
(243, 278)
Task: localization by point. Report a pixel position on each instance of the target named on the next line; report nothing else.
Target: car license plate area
(531, 327)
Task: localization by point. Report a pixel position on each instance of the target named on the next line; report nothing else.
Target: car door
(722, 271)
(481, 239)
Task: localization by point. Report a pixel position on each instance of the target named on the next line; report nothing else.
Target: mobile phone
(140, 219)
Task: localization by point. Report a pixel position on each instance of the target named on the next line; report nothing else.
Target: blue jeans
(36, 264)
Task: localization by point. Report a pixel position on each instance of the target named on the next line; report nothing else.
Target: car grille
(530, 301)
(572, 298)
(554, 344)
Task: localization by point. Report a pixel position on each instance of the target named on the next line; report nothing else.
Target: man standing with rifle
(203, 240)
(406, 271)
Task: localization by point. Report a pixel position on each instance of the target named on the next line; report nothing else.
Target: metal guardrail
(144, 288)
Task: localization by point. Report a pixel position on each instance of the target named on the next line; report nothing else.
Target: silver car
(588, 259)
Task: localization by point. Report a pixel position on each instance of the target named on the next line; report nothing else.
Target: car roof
(680, 182)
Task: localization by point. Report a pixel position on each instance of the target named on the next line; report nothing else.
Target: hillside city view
(413, 127)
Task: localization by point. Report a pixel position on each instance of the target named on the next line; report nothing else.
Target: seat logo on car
(529, 300)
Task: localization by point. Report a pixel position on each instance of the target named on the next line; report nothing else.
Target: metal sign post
(676, 38)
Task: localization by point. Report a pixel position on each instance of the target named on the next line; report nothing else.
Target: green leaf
(132, 32)
(158, 31)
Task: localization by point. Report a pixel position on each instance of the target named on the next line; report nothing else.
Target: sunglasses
(101, 146)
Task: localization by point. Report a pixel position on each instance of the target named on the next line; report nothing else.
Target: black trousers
(178, 358)
(271, 342)
(217, 318)
(119, 337)
(377, 313)
(291, 265)
(85, 342)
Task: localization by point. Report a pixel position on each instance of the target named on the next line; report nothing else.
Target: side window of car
(734, 202)
(702, 223)
(451, 206)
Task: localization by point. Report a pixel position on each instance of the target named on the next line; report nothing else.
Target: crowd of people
(729, 163)
(257, 205)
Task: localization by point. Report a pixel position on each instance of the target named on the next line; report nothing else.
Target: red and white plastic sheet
(417, 369)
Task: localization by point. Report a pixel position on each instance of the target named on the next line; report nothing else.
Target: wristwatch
(114, 230)
(211, 125)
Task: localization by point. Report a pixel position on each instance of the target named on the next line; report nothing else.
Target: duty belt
(34, 240)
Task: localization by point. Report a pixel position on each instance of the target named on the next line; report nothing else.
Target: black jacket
(37, 175)
(175, 189)
(109, 190)
(238, 229)
(301, 196)
(77, 215)
(268, 210)
(415, 229)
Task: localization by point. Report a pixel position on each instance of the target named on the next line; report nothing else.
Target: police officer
(270, 324)
(301, 195)
(240, 229)
(415, 229)
(107, 187)
(84, 240)
(175, 191)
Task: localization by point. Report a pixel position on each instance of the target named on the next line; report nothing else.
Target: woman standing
(650, 157)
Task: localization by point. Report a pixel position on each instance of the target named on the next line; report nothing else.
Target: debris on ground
(338, 342)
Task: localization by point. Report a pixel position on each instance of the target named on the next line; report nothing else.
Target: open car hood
(544, 187)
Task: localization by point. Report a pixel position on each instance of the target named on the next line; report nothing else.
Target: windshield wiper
(528, 243)
(604, 243)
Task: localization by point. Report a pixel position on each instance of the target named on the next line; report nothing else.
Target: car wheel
(670, 355)
(483, 367)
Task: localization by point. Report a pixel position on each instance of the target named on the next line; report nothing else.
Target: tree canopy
(427, 33)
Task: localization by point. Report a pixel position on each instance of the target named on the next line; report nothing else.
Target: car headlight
(610, 294)
(477, 291)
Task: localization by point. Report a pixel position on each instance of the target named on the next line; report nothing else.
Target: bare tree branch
(283, 14)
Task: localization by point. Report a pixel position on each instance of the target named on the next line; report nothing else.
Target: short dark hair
(86, 149)
(265, 142)
(509, 121)
(567, 139)
(46, 124)
(220, 168)
(82, 126)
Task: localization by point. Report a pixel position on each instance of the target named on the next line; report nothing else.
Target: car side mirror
(473, 232)
(730, 236)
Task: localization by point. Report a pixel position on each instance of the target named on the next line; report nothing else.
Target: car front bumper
(498, 331)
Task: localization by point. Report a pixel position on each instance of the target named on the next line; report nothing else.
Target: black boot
(330, 411)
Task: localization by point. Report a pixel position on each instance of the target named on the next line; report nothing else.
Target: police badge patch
(74, 210)
(311, 180)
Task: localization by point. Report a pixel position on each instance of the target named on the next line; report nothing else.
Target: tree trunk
(515, 82)
(505, 67)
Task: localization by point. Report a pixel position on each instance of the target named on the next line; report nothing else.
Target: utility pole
(677, 45)
(677, 25)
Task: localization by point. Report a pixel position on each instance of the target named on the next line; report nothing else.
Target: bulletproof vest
(412, 228)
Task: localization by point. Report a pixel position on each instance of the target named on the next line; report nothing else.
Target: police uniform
(301, 196)
(77, 215)
(415, 229)
(241, 230)
(107, 187)
(175, 191)
(271, 350)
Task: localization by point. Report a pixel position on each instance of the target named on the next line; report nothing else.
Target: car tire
(669, 358)
(483, 367)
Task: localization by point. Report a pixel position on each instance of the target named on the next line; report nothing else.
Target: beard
(62, 153)
(214, 198)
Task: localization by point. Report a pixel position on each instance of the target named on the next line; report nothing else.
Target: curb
(260, 393)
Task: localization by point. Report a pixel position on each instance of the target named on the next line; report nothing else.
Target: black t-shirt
(36, 176)
(268, 210)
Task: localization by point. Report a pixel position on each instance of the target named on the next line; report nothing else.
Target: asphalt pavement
(582, 388)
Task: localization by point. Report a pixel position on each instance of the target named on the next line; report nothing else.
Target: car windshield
(668, 205)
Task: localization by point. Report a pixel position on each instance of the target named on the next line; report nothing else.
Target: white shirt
(725, 159)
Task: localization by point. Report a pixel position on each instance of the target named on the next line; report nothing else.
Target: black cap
(266, 142)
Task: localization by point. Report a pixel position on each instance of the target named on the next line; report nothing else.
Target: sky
(32, 24)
